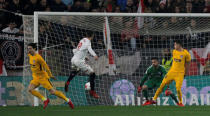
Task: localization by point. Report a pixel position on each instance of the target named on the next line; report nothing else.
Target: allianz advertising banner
(119, 90)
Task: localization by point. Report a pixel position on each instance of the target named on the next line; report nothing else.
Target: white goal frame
(37, 14)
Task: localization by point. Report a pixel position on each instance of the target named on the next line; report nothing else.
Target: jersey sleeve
(188, 57)
(45, 66)
(91, 50)
(146, 75)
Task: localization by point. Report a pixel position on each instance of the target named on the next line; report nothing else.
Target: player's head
(89, 34)
(32, 47)
(155, 62)
(166, 52)
(178, 44)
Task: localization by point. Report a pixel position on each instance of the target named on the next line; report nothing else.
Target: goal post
(131, 47)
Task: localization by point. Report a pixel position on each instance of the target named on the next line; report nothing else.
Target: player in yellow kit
(179, 68)
(41, 75)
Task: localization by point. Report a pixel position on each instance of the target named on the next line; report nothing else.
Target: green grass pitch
(106, 111)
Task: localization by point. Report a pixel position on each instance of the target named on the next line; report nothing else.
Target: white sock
(68, 100)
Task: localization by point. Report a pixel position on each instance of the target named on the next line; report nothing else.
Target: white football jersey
(82, 49)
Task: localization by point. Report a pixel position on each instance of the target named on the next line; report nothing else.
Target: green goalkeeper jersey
(154, 74)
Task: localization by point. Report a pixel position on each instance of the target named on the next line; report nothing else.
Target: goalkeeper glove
(139, 89)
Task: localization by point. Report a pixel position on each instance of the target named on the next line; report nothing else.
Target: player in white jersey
(78, 62)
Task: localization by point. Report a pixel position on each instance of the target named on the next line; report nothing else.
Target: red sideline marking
(111, 59)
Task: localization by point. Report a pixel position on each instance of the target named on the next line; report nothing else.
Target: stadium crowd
(28, 7)
(10, 22)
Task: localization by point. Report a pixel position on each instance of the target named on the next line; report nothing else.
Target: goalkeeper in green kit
(152, 79)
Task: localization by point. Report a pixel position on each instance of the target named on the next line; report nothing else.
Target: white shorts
(82, 65)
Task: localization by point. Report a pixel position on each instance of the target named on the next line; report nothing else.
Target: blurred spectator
(130, 7)
(109, 5)
(58, 5)
(152, 4)
(68, 2)
(162, 7)
(44, 6)
(31, 6)
(188, 7)
(129, 35)
(94, 4)
(169, 5)
(167, 59)
(11, 28)
(177, 9)
(207, 6)
(148, 41)
(193, 24)
(117, 9)
(180, 4)
(15, 6)
(198, 6)
(122, 4)
(3, 4)
(87, 6)
(117, 21)
(77, 6)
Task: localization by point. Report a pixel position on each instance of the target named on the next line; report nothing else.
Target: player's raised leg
(47, 85)
(160, 89)
(72, 75)
(92, 85)
(31, 89)
(62, 96)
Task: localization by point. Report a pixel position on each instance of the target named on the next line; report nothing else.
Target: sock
(61, 95)
(179, 93)
(174, 98)
(92, 81)
(72, 75)
(39, 95)
(145, 93)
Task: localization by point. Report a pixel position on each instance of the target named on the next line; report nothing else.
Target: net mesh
(132, 48)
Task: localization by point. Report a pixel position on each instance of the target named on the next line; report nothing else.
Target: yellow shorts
(178, 77)
(42, 80)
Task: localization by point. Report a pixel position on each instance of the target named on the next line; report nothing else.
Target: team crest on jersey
(33, 61)
(181, 56)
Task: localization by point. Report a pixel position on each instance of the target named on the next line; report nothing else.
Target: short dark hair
(33, 45)
(178, 41)
(154, 58)
(89, 33)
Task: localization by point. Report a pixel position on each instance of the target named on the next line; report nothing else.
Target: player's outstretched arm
(146, 75)
(91, 51)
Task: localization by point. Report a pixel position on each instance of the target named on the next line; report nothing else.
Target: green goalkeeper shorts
(153, 83)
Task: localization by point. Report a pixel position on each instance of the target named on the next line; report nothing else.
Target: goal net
(125, 44)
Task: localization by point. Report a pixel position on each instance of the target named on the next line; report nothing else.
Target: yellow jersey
(38, 65)
(179, 59)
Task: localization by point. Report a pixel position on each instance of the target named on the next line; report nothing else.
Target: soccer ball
(87, 86)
